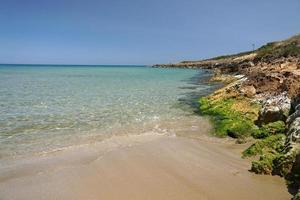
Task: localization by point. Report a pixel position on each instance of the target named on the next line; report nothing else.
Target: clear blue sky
(139, 31)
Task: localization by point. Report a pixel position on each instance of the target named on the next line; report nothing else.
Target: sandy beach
(147, 166)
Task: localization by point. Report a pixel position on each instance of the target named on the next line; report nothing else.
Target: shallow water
(48, 108)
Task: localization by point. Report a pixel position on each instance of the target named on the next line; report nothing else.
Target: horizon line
(45, 64)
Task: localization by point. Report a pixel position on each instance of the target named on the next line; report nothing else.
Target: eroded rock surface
(274, 108)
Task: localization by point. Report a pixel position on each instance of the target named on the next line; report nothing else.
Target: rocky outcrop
(271, 79)
(274, 108)
(276, 78)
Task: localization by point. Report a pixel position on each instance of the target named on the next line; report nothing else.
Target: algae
(273, 144)
(228, 117)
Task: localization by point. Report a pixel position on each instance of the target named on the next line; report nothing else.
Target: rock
(293, 117)
(284, 164)
(263, 166)
(274, 108)
(296, 103)
(293, 134)
(297, 196)
(248, 91)
(293, 125)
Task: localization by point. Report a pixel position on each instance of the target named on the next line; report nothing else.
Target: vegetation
(228, 117)
(231, 56)
(219, 57)
(290, 47)
(269, 145)
(267, 130)
(271, 50)
(264, 165)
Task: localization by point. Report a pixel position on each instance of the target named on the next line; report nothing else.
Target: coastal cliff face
(261, 104)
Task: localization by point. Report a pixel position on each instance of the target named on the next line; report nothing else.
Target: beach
(148, 166)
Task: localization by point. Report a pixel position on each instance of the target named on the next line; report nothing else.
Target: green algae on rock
(227, 122)
(231, 114)
(272, 144)
(272, 128)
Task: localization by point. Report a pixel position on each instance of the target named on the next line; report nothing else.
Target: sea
(46, 108)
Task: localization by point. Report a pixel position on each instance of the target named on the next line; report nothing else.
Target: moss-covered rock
(273, 144)
(235, 115)
(293, 176)
(267, 130)
(283, 164)
(264, 165)
(232, 117)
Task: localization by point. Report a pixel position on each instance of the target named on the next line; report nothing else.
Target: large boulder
(274, 108)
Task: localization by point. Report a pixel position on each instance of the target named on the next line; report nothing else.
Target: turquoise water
(44, 108)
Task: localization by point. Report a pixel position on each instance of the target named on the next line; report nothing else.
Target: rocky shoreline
(261, 104)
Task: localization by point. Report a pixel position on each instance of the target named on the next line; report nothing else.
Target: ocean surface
(48, 108)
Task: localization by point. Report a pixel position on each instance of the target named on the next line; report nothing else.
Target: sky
(139, 31)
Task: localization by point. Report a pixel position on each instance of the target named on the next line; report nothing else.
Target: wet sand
(141, 167)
